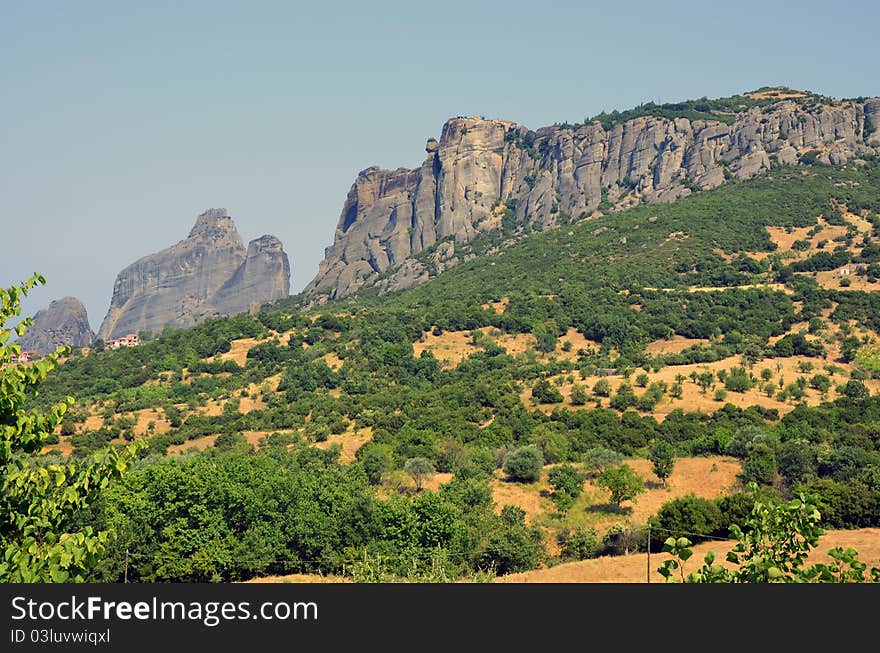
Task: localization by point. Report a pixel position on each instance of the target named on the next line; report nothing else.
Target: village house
(131, 340)
(25, 357)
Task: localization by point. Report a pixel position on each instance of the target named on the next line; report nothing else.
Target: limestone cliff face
(479, 167)
(63, 322)
(209, 273)
(262, 276)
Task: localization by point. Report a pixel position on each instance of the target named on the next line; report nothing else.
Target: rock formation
(208, 274)
(63, 322)
(400, 227)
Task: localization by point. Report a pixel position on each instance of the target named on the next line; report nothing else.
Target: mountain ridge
(492, 180)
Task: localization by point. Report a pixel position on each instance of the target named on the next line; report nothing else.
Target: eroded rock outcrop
(210, 273)
(481, 169)
(63, 322)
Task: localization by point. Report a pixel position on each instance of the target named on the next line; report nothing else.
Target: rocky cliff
(209, 273)
(493, 177)
(63, 322)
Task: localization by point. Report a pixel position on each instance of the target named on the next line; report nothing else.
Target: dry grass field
(349, 442)
(634, 568)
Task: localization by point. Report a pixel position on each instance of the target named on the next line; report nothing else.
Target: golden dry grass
(634, 568)
(198, 444)
(452, 347)
(64, 446)
(247, 404)
(527, 496)
(300, 578)
(93, 423)
(778, 287)
(349, 441)
(435, 480)
(333, 361)
(449, 348)
(708, 477)
(674, 345)
(147, 415)
(238, 351)
(775, 94)
(831, 279)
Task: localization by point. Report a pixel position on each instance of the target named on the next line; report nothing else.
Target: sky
(120, 122)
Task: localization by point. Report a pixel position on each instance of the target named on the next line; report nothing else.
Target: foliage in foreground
(771, 548)
(40, 501)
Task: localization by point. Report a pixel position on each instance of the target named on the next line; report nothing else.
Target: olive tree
(420, 469)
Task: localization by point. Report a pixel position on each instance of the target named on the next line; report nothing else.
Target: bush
(579, 544)
(602, 388)
(761, 465)
(738, 380)
(376, 459)
(524, 464)
(544, 393)
(690, 515)
(855, 390)
(578, 395)
(623, 482)
(565, 479)
(844, 505)
(624, 539)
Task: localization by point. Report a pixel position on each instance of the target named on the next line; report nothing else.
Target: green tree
(578, 395)
(760, 466)
(602, 388)
(579, 544)
(419, 468)
(376, 459)
(544, 393)
(598, 459)
(705, 381)
(567, 484)
(39, 536)
(855, 390)
(662, 457)
(623, 482)
(524, 464)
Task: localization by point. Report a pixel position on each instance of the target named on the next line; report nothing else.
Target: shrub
(565, 479)
(692, 515)
(761, 465)
(579, 544)
(544, 393)
(524, 464)
(602, 388)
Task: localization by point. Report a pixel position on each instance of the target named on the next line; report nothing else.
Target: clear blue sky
(121, 121)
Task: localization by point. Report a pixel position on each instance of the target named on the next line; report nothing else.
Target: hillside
(739, 325)
(486, 183)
